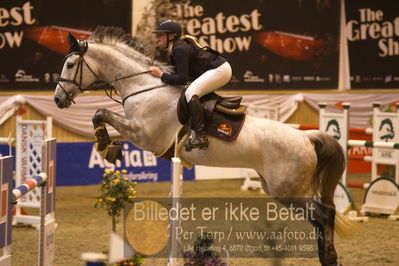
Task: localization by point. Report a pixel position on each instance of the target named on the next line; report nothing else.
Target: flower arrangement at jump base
(116, 192)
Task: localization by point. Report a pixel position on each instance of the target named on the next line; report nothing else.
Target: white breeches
(210, 81)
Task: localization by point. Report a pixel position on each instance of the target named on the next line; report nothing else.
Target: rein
(98, 84)
(138, 92)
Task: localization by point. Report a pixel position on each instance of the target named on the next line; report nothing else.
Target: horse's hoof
(114, 153)
(102, 138)
(102, 151)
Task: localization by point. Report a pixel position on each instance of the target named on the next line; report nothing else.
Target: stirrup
(193, 143)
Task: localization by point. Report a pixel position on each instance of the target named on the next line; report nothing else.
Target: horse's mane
(128, 45)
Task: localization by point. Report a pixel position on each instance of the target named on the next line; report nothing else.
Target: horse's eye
(70, 65)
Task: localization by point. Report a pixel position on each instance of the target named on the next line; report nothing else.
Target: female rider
(208, 69)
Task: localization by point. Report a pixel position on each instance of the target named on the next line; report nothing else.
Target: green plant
(116, 192)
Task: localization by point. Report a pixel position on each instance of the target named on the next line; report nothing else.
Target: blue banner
(80, 164)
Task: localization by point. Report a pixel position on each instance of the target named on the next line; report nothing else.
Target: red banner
(271, 44)
(33, 36)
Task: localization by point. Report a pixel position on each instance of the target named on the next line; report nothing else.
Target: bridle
(97, 84)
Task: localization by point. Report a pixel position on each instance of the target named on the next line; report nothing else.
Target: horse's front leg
(108, 150)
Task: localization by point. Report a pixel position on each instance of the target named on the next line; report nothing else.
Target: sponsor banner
(372, 30)
(80, 164)
(271, 44)
(33, 36)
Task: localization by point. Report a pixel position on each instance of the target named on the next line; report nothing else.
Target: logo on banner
(132, 158)
(250, 77)
(386, 130)
(22, 76)
(333, 129)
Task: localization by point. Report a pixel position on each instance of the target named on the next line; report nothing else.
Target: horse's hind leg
(108, 150)
(322, 218)
(324, 222)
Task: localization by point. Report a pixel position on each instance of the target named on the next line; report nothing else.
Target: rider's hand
(155, 71)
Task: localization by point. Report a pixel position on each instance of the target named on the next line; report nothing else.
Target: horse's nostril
(56, 99)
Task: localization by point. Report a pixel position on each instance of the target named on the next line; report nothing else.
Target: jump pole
(176, 190)
(373, 144)
(46, 180)
(176, 193)
(367, 131)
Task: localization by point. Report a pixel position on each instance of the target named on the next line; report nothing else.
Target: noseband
(97, 84)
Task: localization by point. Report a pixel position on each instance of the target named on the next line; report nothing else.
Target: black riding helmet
(169, 26)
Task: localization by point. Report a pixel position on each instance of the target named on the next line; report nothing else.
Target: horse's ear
(71, 39)
(74, 45)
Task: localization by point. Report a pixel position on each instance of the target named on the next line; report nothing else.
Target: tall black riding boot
(197, 121)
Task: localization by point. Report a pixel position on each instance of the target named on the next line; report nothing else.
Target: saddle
(224, 116)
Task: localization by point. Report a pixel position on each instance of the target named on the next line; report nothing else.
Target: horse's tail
(330, 165)
(329, 169)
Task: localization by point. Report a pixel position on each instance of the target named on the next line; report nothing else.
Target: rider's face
(161, 39)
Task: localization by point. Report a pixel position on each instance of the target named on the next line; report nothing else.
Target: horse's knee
(98, 118)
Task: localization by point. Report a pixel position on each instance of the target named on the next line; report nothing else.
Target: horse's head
(109, 59)
(76, 74)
